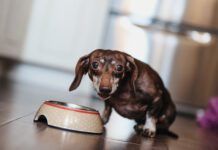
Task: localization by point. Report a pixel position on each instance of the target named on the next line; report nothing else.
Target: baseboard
(1, 68)
(187, 110)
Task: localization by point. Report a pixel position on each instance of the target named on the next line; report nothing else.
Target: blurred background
(41, 41)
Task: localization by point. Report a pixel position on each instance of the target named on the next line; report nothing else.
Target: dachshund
(129, 86)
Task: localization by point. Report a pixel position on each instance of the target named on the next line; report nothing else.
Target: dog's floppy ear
(81, 69)
(132, 67)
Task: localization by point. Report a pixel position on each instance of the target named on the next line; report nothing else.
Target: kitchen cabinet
(52, 33)
(179, 40)
(187, 62)
(14, 17)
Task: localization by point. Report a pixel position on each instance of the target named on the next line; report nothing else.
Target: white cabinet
(14, 17)
(54, 33)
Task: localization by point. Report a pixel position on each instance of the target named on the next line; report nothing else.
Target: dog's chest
(130, 110)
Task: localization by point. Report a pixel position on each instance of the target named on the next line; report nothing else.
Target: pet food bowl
(70, 116)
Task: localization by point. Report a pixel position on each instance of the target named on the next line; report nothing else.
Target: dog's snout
(105, 90)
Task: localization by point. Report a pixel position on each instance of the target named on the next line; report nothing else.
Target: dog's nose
(105, 90)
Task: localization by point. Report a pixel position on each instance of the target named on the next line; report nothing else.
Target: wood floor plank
(18, 131)
(18, 135)
(19, 99)
(191, 137)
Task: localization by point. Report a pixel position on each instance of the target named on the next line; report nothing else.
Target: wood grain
(19, 102)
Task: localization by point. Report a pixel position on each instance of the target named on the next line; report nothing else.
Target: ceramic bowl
(70, 116)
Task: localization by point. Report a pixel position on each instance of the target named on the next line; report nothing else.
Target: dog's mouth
(104, 96)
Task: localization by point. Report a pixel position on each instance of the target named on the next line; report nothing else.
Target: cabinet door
(61, 31)
(14, 17)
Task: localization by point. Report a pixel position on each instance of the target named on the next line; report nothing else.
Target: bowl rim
(71, 106)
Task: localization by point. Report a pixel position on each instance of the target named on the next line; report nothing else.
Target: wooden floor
(19, 102)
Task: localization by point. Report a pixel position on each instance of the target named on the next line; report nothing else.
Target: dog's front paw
(149, 129)
(104, 120)
(149, 133)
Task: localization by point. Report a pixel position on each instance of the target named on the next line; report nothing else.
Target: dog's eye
(95, 65)
(119, 68)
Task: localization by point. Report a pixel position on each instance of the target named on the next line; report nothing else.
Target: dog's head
(106, 68)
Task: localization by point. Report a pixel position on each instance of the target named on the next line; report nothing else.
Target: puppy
(129, 86)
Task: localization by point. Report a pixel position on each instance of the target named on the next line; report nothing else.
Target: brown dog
(129, 86)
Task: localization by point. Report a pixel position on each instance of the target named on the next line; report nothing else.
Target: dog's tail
(168, 133)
